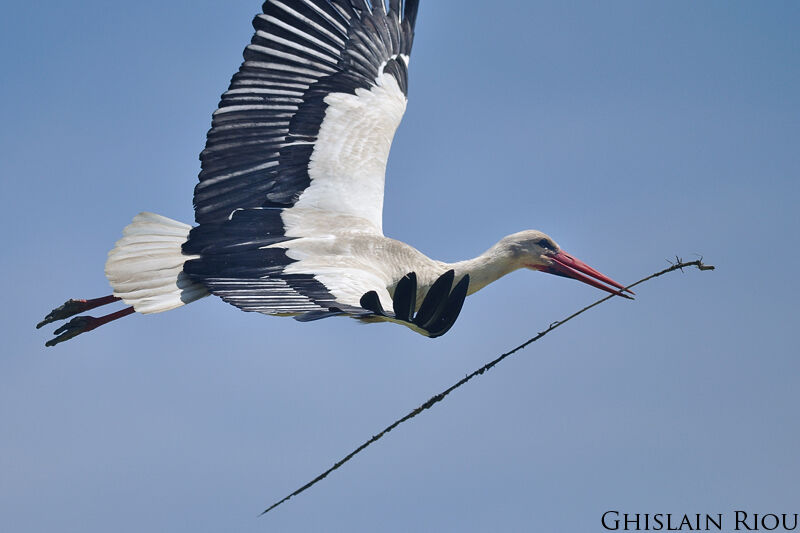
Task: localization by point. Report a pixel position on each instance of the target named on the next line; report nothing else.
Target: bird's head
(536, 251)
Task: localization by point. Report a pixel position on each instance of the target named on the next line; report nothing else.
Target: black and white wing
(298, 146)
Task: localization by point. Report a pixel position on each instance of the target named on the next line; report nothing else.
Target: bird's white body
(145, 266)
(289, 203)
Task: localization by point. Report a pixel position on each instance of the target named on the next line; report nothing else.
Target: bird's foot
(439, 309)
(73, 307)
(82, 324)
(73, 328)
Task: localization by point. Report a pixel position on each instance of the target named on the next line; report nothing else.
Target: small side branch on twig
(679, 264)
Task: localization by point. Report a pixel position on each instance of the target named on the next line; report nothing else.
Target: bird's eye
(547, 245)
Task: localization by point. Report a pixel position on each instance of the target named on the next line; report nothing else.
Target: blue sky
(630, 132)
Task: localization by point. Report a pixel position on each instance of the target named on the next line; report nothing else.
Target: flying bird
(290, 195)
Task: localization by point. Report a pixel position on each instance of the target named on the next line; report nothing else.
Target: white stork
(290, 199)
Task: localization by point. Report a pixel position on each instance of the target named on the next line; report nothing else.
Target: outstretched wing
(298, 146)
(309, 118)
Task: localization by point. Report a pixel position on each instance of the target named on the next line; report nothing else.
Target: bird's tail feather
(145, 267)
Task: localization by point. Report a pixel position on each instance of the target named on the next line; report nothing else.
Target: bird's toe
(71, 329)
(68, 309)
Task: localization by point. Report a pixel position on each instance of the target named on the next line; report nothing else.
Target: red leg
(82, 324)
(97, 302)
(74, 307)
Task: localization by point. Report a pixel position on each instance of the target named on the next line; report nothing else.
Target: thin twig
(678, 265)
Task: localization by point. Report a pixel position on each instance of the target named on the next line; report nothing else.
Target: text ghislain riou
(736, 521)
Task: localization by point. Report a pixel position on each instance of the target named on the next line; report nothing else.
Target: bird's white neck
(486, 268)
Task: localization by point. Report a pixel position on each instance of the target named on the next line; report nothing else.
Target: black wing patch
(439, 309)
(236, 264)
(255, 163)
(262, 135)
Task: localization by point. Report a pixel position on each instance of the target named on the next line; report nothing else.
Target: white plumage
(348, 166)
(289, 203)
(145, 267)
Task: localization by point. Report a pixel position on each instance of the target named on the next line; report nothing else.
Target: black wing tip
(435, 301)
(371, 302)
(438, 311)
(455, 302)
(410, 11)
(405, 297)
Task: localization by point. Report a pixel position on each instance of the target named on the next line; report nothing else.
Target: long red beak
(570, 267)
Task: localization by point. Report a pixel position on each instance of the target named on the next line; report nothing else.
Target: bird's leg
(74, 307)
(82, 324)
